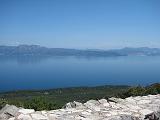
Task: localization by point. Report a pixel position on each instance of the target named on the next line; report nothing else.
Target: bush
(140, 91)
(40, 103)
(153, 89)
(135, 91)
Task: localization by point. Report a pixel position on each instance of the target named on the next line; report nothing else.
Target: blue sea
(23, 73)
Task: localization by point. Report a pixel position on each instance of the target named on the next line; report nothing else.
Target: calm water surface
(55, 72)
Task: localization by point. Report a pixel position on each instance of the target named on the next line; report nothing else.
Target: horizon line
(79, 48)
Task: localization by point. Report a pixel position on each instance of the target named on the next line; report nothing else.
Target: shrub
(135, 91)
(40, 103)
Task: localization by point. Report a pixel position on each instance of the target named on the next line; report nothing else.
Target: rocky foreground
(132, 108)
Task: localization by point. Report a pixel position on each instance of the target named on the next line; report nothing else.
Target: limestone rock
(26, 111)
(24, 117)
(73, 105)
(8, 111)
(36, 116)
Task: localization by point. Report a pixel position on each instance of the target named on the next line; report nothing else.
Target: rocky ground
(132, 108)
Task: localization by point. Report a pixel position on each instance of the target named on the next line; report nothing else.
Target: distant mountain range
(35, 50)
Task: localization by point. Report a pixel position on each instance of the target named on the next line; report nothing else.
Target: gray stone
(116, 100)
(36, 116)
(13, 118)
(73, 105)
(8, 111)
(128, 117)
(24, 117)
(26, 111)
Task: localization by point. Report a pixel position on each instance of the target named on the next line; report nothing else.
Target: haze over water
(57, 72)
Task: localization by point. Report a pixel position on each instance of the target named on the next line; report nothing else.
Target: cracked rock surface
(131, 108)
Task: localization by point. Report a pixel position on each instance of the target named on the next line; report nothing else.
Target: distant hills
(35, 50)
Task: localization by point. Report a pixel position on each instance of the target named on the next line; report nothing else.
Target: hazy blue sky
(80, 23)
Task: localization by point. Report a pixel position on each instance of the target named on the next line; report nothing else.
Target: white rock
(44, 113)
(144, 102)
(112, 103)
(134, 107)
(146, 112)
(13, 118)
(130, 100)
(97, 109)
(86, 113)
(121, 106)
(52, 116)
(113, 99)
(39, 117)
(24, 117)
(103, 101)
(89, 110)
(137, 98)
(9, 109)
(106, 104)
(113, 112)
(92, 102)
(26, 111)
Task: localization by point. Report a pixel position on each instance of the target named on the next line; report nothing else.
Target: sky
(99, 24)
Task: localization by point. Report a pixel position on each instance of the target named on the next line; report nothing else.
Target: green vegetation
(56, 98)
(140, 91)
